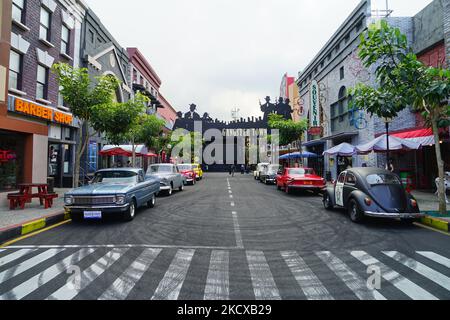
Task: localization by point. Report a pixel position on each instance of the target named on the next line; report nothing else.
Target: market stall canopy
(423, 136)
(298, 155)
(380, 145)
(125, 150)
(343, 150)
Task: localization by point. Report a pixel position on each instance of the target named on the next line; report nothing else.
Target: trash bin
(51, 185)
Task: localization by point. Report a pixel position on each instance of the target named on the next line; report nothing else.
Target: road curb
(436, 223)
(22, 229)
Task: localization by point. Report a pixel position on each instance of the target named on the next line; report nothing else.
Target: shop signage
(42, 112)
(315, 104)
(315, 131)
(6, 156)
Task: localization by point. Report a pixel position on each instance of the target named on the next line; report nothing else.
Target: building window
(347, 38)
(321, 65)
(60, 98)
(338, 47)
(15, 70)
(358, 26)
(341, 73)
(41, 82)
(91, 36)
(65, 40)
(329, 57)
(18, 7)
(135, 75)
(44, 31)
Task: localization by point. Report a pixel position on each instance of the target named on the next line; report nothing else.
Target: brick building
(38, 129)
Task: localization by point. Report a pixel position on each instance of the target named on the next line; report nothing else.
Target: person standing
(390, 166)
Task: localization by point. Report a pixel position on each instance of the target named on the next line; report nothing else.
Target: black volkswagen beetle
(371, 192)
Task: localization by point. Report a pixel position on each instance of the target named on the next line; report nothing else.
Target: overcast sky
(222, 54)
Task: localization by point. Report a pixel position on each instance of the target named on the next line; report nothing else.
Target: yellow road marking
(430, 228)
(33, 234)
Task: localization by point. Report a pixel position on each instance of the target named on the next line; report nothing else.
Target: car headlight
(121, 199)
(68, 200)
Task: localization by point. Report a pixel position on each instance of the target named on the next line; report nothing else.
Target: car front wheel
(356, 215)
(131, 212)
(181, 188)
(327, 202)
(152, 202)
(170, 191)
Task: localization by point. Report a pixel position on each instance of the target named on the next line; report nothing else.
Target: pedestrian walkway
(32, 210)
(428, 201)
(143, 272)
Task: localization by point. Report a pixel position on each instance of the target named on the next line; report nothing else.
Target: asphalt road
(229, 238)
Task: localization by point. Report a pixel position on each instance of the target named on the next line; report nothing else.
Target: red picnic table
(26, 195)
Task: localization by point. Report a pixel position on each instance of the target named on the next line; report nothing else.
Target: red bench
(26, 196)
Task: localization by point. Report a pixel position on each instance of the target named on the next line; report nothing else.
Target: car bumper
(190, 179)
(306, 187)
(103, 209)
(164, 188)
(394, 215)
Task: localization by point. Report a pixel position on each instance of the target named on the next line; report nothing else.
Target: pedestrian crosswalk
(128, 272)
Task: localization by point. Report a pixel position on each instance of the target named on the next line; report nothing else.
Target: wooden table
(26, 195)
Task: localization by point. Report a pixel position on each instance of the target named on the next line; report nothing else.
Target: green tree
(82, 97)
(128, 123)
(403, 80)
(289, 130)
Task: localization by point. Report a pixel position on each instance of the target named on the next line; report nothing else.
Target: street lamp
(289, 150)
(387, 121)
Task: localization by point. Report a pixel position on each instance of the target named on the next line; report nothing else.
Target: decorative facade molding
(44, 58)
(49, 4)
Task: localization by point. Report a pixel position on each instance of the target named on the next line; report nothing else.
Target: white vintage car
(260, 168)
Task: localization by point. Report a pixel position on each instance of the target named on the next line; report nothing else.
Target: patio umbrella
(298, 155)
(343, 150)
(124, 150)
(380, 145)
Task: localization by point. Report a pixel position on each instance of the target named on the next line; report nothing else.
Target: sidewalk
(428, 202)
(15, 223)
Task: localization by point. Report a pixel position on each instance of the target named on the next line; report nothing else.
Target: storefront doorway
(12, 153)
(60, 164)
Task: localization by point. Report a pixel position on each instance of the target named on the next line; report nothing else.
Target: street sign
(314, 93)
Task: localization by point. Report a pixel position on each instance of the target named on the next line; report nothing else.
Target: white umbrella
(343, 150)
(380, 145)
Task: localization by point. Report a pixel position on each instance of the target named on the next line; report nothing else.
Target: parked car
(198, 171)
(187, 170)
(371, 192)
(269, 175)
(289, 179)
(112, 191)
(259, 168)
(169, 175)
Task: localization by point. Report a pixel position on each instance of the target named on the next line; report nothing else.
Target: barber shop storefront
(59, 150)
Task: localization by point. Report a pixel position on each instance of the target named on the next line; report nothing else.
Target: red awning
(423, 136)
(414, 134)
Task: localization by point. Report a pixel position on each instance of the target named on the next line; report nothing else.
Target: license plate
(92, 214)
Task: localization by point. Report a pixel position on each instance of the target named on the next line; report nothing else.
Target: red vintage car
(290, 179)
(188, 173)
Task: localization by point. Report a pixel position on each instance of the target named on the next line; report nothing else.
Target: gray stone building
(102, 55)
(337, 67)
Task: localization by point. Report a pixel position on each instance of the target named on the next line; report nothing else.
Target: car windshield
(382, 178)
(160, 169)
(115, 177)
(300, 171)
(185, 167)
(273, 168)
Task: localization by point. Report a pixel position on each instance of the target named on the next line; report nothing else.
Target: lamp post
(289, 154)
(387, 121)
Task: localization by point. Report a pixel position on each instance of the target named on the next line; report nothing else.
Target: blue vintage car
(113, 191)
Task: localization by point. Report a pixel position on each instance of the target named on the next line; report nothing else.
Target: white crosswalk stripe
(217, 284)
(14, 256)
(122, 287)
(314, 280)
(170, 286)
(28, 264)
(308, 281)
(403, 284)
(420, 268)
(70, 291)
(349, 277)
(263, 283)
(436, 258)
(46, 276)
